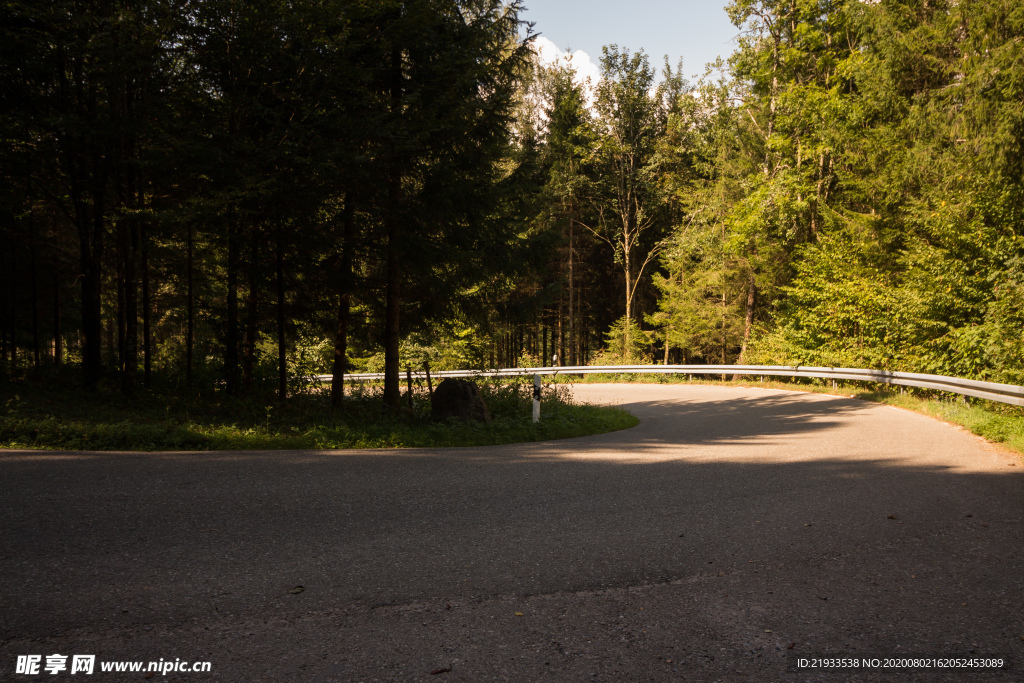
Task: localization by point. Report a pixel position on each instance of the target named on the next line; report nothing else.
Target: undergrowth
(52, 417)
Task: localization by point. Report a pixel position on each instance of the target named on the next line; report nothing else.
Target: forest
(239, 196)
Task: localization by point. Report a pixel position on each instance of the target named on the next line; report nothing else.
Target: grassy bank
(50, 417)
(996, 422)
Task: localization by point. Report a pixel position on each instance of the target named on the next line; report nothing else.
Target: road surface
(731, 532)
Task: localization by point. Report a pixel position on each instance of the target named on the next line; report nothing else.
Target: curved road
(731, 531)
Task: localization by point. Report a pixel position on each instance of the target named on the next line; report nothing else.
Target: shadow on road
(736, 420)
(89, 535)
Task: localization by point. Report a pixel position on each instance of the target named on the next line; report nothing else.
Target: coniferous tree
(631, 204)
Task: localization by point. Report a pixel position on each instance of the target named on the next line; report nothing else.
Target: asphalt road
(730, 532)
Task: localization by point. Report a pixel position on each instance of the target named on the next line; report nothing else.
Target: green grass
(47, 416)
(996, 422)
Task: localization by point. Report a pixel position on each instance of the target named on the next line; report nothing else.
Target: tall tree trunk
(189, 307)
(13, 312)
(91, 229)
(724, 331)
(131, 309)
(231, 336)
(121, 317)
(561, 328)
(58, 339)
(586, 343)
(35, 290)
(537, 337)
(627, 265)
(251, 311)
(344, 304)
(776, 39)
(282, 368)
(147, 344)
(110, 330)
(392, 390)
(6, 295)
(749, 320)
(128, 255)
(572, 286)
(86, 168)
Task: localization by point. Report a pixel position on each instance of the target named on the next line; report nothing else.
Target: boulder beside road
(458, 398)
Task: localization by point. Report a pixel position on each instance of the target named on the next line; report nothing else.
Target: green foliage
(858, 167)
(627, 344)
(39, 417)
(252, 164)
(629, 198)
(403, 181)
(699, 310)
(459, 350)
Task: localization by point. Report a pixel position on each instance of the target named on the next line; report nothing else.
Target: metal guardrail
(992, 391)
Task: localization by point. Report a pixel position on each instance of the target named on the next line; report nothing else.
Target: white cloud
(578, 60)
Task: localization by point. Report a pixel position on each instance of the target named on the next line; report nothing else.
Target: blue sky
(696, 31)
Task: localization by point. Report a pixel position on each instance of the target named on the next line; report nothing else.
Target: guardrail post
(536, 398)
(408, 384)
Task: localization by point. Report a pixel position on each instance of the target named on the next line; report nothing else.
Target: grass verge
(50, 417)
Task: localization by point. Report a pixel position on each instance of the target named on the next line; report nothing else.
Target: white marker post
(536, 398)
